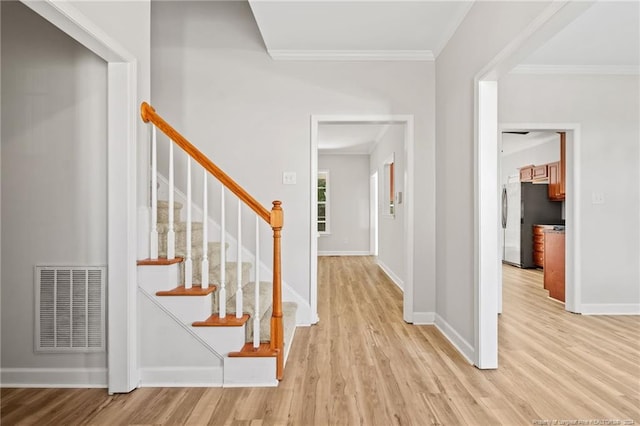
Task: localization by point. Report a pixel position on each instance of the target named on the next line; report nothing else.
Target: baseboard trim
(344, 253)
(171, 377)
(458, 342)
(53, 377)
(610, 308)
(424, 318)
(392, 276)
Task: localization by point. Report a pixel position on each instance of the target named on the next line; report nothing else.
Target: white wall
(485, 31)
(348, 204)
(607, 109)
(391, 248)
(213, 79)
(54, 172)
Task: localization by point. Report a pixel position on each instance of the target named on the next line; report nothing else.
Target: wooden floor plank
(362, 364)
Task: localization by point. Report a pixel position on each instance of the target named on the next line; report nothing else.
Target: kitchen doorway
(538, 148)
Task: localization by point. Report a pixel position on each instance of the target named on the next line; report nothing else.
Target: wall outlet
(288, 178)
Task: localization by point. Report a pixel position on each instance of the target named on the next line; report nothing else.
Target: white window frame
(327, 222)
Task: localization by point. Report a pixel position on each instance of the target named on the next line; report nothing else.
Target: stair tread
(228, 321)
(195, 290)
(248, 351)
(159, 261)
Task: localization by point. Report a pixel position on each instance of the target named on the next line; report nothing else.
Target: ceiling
(349, 138)
(512, 143)
(605, 39)
(357, 29)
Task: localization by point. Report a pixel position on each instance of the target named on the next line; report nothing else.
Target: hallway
(363, 365)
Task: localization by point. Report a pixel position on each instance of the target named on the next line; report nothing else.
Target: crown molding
(351, 55)
(578, 69)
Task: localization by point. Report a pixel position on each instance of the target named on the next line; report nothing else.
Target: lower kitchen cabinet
(554, 260)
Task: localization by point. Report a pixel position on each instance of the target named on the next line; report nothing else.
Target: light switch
(288, 178)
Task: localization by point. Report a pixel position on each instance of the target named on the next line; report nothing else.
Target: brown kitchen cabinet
(557, 173)
(540, 172)
(555, 184)
(538, 244)
(554, 260)
(526, 173)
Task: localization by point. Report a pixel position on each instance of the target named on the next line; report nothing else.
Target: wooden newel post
(277, 327)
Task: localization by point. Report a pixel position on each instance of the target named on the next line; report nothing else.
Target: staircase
(220, 306)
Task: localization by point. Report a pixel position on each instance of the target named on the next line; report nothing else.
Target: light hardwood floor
(362, 365)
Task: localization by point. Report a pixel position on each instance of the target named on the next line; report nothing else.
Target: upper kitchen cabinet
(557, 173)
(526, 173)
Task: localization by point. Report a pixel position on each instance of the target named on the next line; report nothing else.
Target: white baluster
(171, 235)
(204, 274)
(153, 237)
(188, 263)
(256, 308)
(223, 290)
(239, 309)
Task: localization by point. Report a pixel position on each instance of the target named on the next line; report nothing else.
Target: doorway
(406, 121)
(543, 144)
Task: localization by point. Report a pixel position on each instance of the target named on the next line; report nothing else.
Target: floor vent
(70, 309)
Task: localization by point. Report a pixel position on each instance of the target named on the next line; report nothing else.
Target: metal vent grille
(70, 309)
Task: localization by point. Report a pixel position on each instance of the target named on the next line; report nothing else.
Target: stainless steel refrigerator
(525, 204)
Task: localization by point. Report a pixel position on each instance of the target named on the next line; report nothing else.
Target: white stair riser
(154, 278)
(223, 339)
(187, 309)
(254, 372)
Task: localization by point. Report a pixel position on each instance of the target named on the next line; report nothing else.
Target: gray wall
(348, 204)
(391, 247)
(607, 109)
(212, 78)
(53, 172)
(486, 30)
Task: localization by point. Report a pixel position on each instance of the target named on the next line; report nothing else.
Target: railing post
(222, 293)
(171, 235)
(204, 268)
(256, 308)
(153, 237)
(239, 294)
(188, 263)
(277, 327)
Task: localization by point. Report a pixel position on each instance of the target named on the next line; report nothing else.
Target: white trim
(392, 276)
(350, 55)
(72, 22)
(486, 236)
(577, 69)
(458, 342)
(188, 377)
(424, 318)
(407, 121)
(610, 308)
(344, 253)
(53, 377)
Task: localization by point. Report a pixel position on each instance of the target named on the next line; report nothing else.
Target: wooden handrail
(149, 114)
